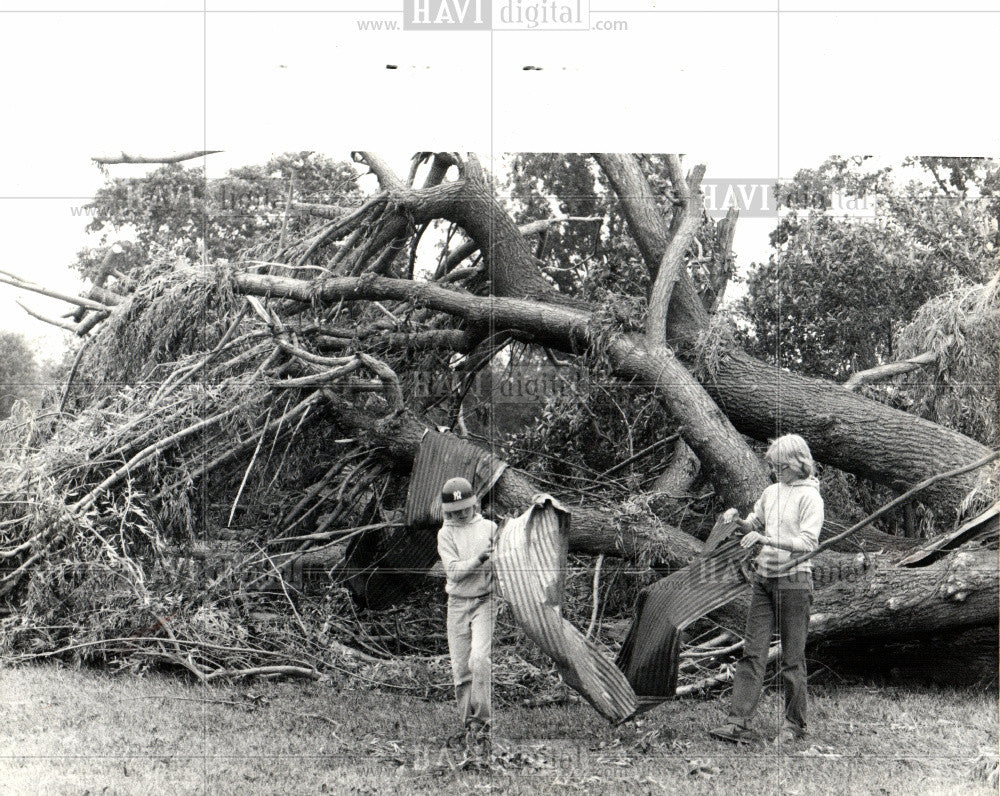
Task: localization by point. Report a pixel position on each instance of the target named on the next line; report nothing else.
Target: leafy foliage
(180, 212)
(837, 289)
(544, 185)
(19, 372)
(960, 391)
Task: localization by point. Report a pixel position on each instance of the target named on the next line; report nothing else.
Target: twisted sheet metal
(386, 568)
(530, 566)
(442, 456)
(649, 654)
(983, 524)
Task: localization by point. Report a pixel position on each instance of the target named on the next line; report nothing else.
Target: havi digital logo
(506, 15)
(447, 14)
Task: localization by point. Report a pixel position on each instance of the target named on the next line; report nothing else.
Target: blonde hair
(792, 450)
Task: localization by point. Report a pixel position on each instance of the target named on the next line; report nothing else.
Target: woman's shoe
(789, 736)
(736, 733)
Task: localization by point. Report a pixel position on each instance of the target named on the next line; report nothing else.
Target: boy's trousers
(470, 641)
(784, 602)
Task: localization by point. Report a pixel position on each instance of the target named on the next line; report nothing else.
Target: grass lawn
(85, 731)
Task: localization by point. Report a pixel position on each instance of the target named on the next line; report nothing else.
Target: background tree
(838, 288)
(176, 211)
(19, 372)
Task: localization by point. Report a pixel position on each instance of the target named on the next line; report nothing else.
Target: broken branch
(111, 160)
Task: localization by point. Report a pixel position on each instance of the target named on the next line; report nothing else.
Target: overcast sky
(751, 94)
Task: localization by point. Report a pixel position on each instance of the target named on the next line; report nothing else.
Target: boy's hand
(751, 539)
(730, 515)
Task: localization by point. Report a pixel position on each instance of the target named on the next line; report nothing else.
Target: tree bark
(890, 369)
(467, 201)
(763, 401)
(726, 459)
(843, 429)
(593, 530)
(676, 480)
(893, 603)
(884, 602)
(687, 316)
(720, 269)
(685, 223)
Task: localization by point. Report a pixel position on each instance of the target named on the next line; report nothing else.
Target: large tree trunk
(884, 603)
(842, 429)
(892, 603)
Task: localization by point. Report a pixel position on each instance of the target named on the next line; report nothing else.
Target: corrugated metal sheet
(530, 566)
(983, 524)
(649, 655)
(720, 532)
(386, 569)
(440, 457)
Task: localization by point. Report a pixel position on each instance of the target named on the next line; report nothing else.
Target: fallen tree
(274, 403)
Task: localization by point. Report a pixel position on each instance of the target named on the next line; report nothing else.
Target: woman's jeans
(784, 602)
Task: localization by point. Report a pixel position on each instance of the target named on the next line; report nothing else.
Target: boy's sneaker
(478, 739)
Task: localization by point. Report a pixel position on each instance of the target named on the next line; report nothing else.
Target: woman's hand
(751, 539)
(730, 515)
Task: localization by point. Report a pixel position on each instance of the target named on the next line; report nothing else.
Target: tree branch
(110, 160)
(887, 371)
(16, 281)
(728, 461)
(721, 266)
(687, 219)
(531, 228)
(687, 316)
(69, 326)
(386, 176)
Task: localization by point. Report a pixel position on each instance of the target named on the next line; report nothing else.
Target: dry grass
(74, 731)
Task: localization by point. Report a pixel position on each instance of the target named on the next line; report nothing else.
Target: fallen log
(592, 530)
(895, 603)
(882, 602)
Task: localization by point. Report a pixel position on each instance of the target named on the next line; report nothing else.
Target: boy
(465, 543)
(790, 514)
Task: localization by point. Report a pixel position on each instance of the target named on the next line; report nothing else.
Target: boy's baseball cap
(457, 494)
